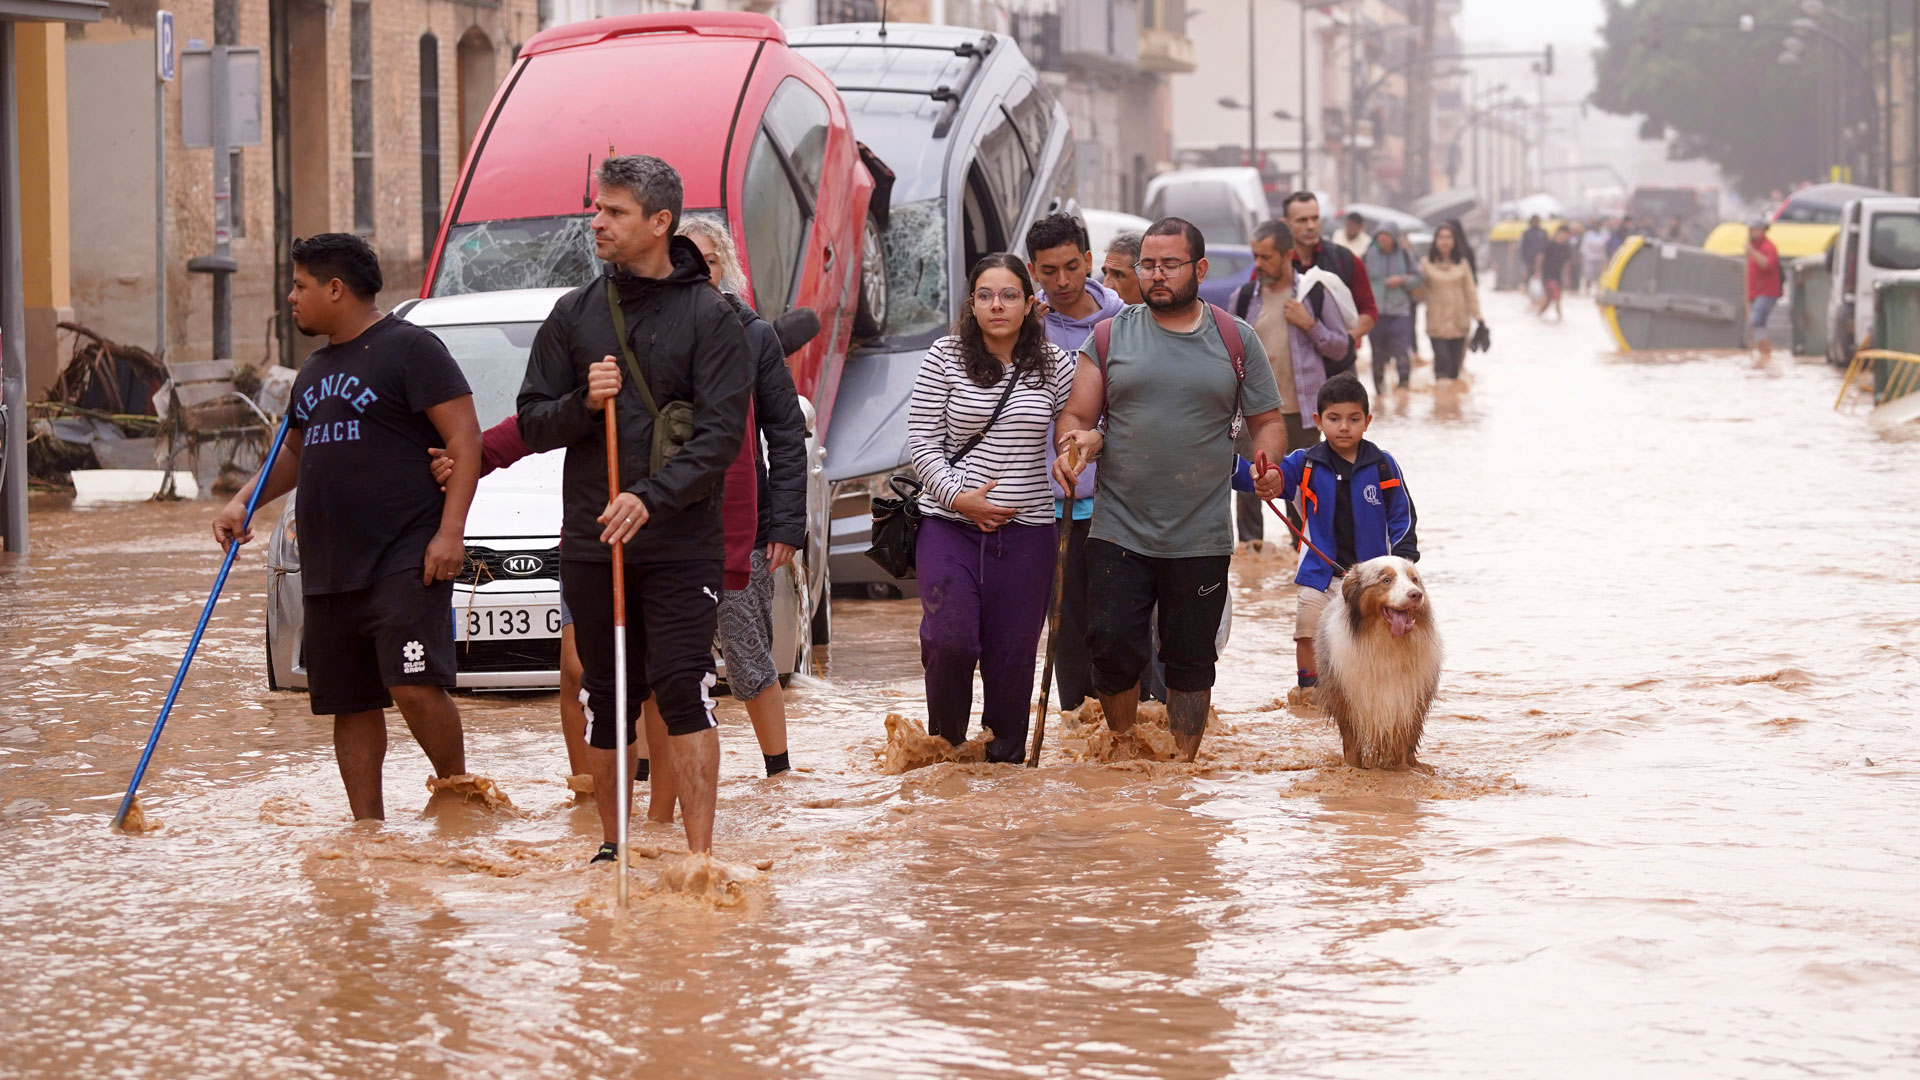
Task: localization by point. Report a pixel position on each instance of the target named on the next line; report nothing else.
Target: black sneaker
(607, 853)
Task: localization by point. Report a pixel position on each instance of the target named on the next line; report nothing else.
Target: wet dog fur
(1379, 656)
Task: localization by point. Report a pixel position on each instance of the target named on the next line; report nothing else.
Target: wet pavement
(1669, 834)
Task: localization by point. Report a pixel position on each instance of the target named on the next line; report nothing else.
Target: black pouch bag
(896, 521)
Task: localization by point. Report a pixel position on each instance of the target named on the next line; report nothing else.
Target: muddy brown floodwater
(1671, 829)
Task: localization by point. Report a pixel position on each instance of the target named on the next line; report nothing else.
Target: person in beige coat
(1453, 300)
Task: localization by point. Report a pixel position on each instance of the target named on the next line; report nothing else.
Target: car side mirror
(796, 329)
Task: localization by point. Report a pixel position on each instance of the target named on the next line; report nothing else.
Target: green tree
(1720, 93)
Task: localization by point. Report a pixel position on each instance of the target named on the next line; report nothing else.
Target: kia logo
(522, 565)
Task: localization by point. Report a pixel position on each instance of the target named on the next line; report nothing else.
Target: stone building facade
(383, 98)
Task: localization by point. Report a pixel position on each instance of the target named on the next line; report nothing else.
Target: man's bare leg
(611, 792)
(573, 715)
(1121, 708)
(769, 715)
(662, 785)
(360, 748)
(696, 767)
(1187, 719)
(435, 722)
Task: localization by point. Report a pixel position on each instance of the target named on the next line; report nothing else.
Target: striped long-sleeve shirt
(948, 408)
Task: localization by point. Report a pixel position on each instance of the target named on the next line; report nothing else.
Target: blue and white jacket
(1383, 513)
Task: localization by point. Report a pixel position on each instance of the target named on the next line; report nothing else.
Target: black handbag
(896, 521)
(1482, 339)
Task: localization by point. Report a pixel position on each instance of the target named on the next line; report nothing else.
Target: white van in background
(1226, 204)
(1879, 238)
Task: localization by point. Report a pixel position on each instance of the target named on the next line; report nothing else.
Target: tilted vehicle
(978, 148)
(1879, 238)
(760, 138)
(1822, 204)
(506, 602)
(1226, 204)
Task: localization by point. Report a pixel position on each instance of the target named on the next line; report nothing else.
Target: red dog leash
(1264, 466)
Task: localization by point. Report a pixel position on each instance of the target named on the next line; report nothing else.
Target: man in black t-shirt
(379, 543)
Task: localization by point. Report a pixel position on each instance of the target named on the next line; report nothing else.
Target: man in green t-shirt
(1162, 529)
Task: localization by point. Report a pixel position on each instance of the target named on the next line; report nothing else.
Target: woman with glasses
(977, 429)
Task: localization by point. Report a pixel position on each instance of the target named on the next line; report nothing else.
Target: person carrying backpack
(1304, 333)
(1176, 380)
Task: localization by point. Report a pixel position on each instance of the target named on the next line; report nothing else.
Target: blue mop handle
(179, 677)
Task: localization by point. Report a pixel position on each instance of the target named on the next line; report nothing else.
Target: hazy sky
(1534, 20)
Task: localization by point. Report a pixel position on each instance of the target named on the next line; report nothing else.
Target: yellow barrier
(1793, 239)
(1903, 380)
(1510, 231)
(1610, 282)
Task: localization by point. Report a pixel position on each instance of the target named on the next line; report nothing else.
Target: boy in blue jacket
(1357, 507)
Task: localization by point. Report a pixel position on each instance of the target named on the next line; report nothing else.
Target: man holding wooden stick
(651, 340)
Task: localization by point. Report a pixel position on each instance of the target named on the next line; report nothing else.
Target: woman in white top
(977, 431)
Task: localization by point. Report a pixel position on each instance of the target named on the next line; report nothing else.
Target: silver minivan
(1879, 238)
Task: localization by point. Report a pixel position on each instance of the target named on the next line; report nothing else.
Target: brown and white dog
(1379, 656)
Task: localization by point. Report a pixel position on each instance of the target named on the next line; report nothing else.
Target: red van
(760, 138)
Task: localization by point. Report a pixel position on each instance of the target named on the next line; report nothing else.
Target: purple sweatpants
(983, 601)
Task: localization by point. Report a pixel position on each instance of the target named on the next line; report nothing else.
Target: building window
(429, 142)
(360, 76)
(846, 11)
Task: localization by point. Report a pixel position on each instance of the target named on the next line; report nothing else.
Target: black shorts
(395, 632)
(1122, 589)
(673, 610)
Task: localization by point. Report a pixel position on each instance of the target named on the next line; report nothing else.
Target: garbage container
(1657, 295)
(1896, 328)
(1812, 287)
(1503, 250)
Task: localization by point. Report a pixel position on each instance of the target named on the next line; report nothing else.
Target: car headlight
(284, 555)
(854, 497)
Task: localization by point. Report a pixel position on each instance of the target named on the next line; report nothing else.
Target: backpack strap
(1102, 342)
(1236, 352)
(1243, 300)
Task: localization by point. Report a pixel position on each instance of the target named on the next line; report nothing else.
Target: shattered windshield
(916, 244)
(521, 253)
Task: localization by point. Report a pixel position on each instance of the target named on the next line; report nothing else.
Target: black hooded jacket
(690, 345)
(776, 413)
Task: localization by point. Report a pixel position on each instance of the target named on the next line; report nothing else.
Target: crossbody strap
(974, 440)
(1237, 352)
(626, 350)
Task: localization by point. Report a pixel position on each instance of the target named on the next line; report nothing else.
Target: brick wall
(126, 171)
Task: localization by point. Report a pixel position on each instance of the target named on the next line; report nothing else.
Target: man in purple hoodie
(1060, 259)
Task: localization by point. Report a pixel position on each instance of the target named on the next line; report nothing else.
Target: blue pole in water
(179, 677)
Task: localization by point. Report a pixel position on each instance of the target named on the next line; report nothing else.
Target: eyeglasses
(1009, 297)
(1164, 268)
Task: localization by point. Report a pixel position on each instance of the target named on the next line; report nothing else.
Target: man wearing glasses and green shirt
(1176, 380)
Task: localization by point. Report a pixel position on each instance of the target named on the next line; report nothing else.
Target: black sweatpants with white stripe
(672, 611)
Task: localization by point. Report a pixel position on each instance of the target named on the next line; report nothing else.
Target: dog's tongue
(1399, 621)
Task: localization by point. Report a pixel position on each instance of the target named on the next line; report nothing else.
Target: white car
(506, 602)
(1226, 204)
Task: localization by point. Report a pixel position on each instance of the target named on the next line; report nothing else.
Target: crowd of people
(1076, 423)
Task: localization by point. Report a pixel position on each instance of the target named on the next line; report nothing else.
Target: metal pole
(1885, 118)
(1304, 148)
(222, 207)
(159, 216)
(1253, 98)
(280, 53)
(13, 313)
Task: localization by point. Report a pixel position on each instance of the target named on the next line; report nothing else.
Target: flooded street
(1670, 831)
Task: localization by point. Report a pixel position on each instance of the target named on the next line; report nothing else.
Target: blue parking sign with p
(163, 44)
